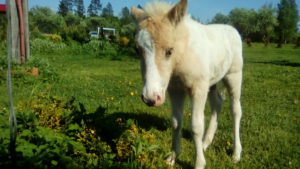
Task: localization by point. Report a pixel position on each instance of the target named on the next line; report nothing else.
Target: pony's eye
(169, 52)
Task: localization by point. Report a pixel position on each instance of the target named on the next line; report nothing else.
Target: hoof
(171, 159)
(236, 158)
(205, 146)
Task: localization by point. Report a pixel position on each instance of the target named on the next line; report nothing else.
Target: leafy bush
(124, 41)
(36, 34)
(101, 48)
(138, 147)
(46, 71)
(45, 46)
(53, 37)
(53, 142)
(42, 148)
(77, 33)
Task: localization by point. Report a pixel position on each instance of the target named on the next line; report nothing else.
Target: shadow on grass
(184, 164)
(110, 126)
(281, 63)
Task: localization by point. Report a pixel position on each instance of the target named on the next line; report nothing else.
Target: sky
(205, 10)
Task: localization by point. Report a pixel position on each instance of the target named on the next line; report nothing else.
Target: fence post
(26, 27)
(13, 40)
(13, 30)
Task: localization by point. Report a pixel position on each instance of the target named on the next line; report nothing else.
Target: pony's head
(156, 45)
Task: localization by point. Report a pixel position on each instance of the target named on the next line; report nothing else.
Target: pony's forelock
(158, 8)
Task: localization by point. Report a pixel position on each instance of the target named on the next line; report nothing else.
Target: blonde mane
(158, 8)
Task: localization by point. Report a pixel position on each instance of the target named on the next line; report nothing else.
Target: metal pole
(12, 51)
(21, 28)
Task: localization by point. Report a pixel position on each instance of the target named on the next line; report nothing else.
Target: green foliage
(46, 46)
(298, 41)
(94, 8)
(45, 20)
(77, 33)
(3, 45)
(42, 147)
(140, 148)
(220, 18)
(101, 48)
(126, 17)
(102, 122)
(266, 23)
(36, 34)
(72, 20)
(65, 7)
(108, 10)
(287, 20)
(244, 21)
(45, 124)
(3, 27)
(79, 8)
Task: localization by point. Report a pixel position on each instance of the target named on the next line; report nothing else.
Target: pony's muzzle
(156, 100)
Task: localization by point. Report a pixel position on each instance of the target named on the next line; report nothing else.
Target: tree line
(77, 7)
(72, 23)
(267, 24)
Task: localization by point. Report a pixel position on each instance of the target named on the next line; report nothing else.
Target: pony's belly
(219, 71)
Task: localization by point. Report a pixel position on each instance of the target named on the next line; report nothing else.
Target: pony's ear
(138, 14)
(176, 14)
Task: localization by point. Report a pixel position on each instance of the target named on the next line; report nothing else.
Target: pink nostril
(148, 102)
(151, 103)
(158, 98)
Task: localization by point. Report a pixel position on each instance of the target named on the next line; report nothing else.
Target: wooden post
(13, 31)
(26, 27)
(13, 41)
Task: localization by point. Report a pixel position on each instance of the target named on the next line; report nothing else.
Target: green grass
(270, 101)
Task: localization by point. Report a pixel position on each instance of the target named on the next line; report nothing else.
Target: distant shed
(2, 8)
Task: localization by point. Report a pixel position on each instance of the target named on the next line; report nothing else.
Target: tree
(245, 22)
(94, 8)
(65, 6)
(287, 21)
(46, 20)
(79, 8)
(220, 18)
(139, 6)
(126, 17)
(108, 10)
(72, 19)
(266, 21)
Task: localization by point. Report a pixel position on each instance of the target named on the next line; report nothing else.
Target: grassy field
(105, 94)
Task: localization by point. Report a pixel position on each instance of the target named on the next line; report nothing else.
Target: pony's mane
(158, 8)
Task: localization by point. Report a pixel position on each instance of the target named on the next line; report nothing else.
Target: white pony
(184, 57)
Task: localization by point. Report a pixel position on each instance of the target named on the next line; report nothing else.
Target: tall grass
(91, 116)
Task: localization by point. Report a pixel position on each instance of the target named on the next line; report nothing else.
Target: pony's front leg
(199, 95)
(177, 100)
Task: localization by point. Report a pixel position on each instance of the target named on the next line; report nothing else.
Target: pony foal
(182, 57)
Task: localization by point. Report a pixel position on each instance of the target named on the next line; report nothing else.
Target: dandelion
(228, 143)
(131, 93)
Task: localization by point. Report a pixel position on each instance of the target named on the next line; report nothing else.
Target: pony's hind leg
(215, 101)
(233, 81)
(177, 97)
